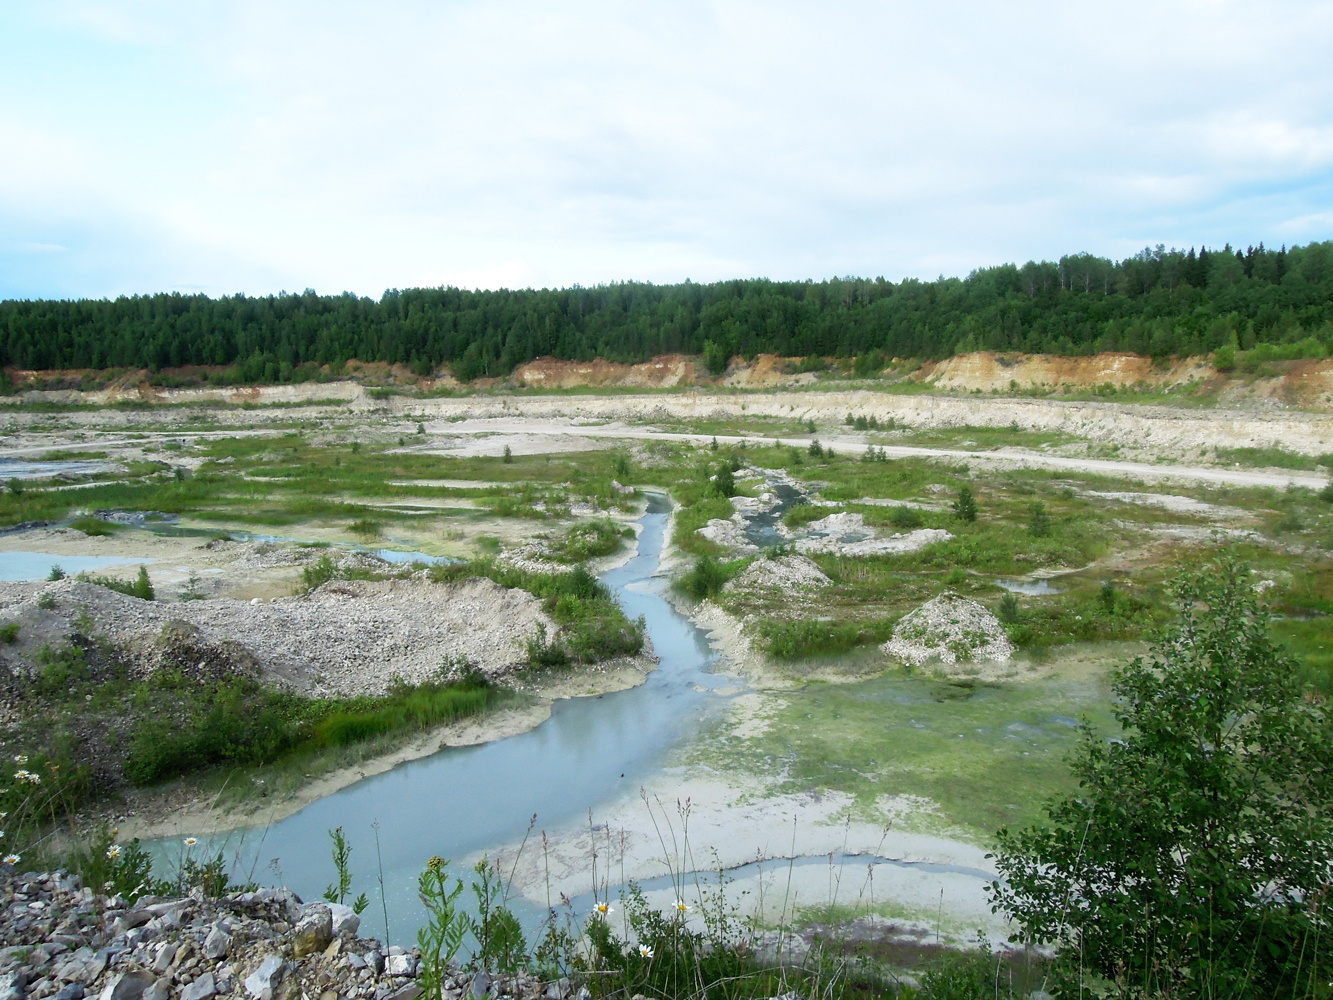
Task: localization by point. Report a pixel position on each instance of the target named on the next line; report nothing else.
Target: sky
(281, 145)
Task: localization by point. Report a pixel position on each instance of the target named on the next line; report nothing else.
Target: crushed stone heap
(787, 573)
(952, 629)
(61, 940)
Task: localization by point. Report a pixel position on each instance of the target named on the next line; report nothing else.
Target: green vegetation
(141, 587)
(1278, 458)
(798, 639)
(1264, 305)
(89, 716)
(592, 625)
(965, 507)
(707, 577)
(590, 540)
(94, 527)
(985, 755)
(1191, 860)
(803, 513)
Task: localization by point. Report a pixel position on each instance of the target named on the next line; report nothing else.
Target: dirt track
(502, 430)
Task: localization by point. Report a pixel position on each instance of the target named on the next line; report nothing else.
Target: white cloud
(361, 146)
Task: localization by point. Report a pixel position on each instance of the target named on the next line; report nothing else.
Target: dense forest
(1159, 302)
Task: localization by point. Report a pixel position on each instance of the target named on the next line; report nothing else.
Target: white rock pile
(789, 574)
(61, 940)
(348, 637)
(951, 629)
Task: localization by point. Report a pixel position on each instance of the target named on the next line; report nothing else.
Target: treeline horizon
(1159, 302)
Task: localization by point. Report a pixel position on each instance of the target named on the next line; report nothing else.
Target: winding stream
(461, 801)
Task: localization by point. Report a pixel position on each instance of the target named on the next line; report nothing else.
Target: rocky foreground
(60, 939)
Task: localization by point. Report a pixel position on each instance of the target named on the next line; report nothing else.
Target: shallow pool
(18, 469)
(37, 565)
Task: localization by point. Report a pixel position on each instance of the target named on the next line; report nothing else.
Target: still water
(461, 801)
(37, 565)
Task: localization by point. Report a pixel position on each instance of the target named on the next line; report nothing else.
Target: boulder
(313, 931)
(345, 919)
(126, 986)
(217, 942)
(400, 965)
(262, 983)
(202, 988)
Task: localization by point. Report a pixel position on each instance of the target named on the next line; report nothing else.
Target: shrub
(9, 634)
(318, 573)
(705, 580)
(143, 587)
(965, 507)
(1009, 608)
(905, 518)
(1039, 522)
(724, 481)
(1188, 861)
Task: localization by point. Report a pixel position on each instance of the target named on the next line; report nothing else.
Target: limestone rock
(345, 919)
(126, 986)
(261, 983)
(202, 988)
(313, 931)
(215, 945)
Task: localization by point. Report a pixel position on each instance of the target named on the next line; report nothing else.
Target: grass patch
(801, 639)
(986, 755)
(803, 513)
(94, 527)
(593, 627)
(1275, 458)
(82, 706)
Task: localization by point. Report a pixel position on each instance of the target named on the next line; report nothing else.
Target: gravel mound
(345, 638)
(952, 629)
(61, 939)
(786, 573)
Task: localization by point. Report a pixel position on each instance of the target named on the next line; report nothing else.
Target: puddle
(37, 565)
(1033, 588)
(19, 469)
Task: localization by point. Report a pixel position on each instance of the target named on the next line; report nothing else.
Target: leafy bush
(965, 507)
(1188, 861)
(318, 573)
(9, 634)
(905, 518)
(706, 578)
(590, 541)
